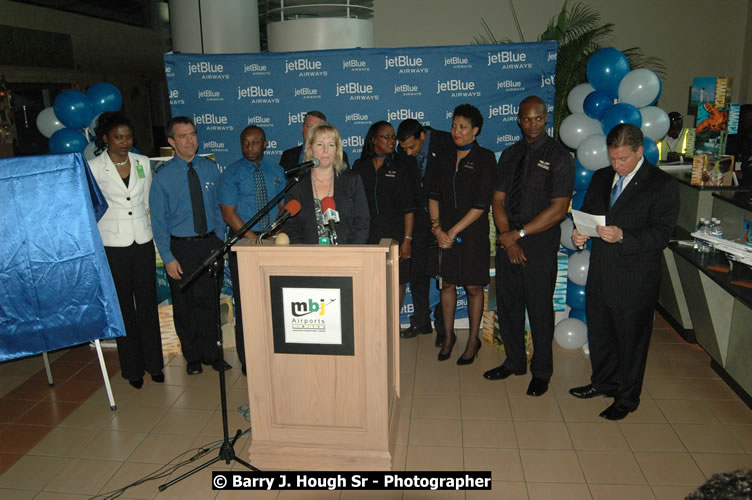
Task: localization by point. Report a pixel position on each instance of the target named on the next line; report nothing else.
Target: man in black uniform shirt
(424, 146)
(293, 157)
(534, 184)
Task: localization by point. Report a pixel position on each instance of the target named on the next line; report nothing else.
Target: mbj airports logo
(356, 91)
(312, 315)
(355, 65)
(405, 64)
(305, 67)
(208, 71)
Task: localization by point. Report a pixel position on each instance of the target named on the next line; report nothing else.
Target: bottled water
(705, 246)
(717, 228)
(700, 226)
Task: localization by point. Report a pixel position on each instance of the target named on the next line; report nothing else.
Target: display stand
(318, 406)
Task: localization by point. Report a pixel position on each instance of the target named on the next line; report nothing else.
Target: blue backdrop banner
(224, 93)
(56, 289)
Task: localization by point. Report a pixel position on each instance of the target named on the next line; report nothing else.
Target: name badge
(140, 170)
(544, 164)
(469, 165)
(391, 175)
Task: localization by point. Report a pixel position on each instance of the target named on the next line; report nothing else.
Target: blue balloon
(104, 97)
(605, 69)
(650, 151)
(577, 200)
(582, 176)
(73, 109)
(67, 140)
(578, 314)
(596, 104)
(620, 113)
(575, 295)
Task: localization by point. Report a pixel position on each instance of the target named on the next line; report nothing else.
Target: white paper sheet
(586, 222)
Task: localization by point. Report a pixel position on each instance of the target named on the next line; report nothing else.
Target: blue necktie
(261, 197)
(616, 190)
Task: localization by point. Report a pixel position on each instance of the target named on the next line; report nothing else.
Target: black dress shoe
(224, 365)
(537, 387)
(443, 356)
(500, 372)
(138, 384)
(158, 378)
(588, 391)
(462, 360)
(194, 368)
(615, 412)
(413, 331)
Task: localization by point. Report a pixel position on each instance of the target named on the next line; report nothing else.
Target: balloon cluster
(614, 95)
(73, 116)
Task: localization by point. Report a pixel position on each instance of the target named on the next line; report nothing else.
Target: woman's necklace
(119, 163)
(313, 183)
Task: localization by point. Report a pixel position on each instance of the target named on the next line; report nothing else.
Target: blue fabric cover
(56, 289)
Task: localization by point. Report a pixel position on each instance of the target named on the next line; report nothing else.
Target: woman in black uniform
(391, 201)
(459, 196)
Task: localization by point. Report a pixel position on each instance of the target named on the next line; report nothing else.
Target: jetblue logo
(356, 91)
(355, 65)
(458, 88)
(305, 67)
(214, 144)
(404, 114)
(507, 139)
(296, 118)
(209, 119)
(168, 72)
(547, 80)
(508, 85)
(210, 95)
(406, 89)
(356, 117)
(509, 59)
(258, 95)
(254, 68)
(405, 64)
(259, 120)
(354, 141)
(307, 93)
(457, 62)
(208, 71)
(174, 97)
(508, 111)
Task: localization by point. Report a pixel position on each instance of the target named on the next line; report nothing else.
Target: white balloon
(93, 125)
(576, 128)
(566, 233)
(639, 87)
(655, 122)
(579, 263)
(577, 96)
(593, 153)
(571, 333)
(89, 151)
(47, 122)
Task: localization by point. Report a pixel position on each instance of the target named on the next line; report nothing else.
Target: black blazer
(350, 199)
(628, 274)
(291, 157)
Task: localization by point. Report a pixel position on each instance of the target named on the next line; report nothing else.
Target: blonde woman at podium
(331, 180)
(125, 180)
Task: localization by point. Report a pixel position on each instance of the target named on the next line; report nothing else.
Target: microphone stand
(227, 450)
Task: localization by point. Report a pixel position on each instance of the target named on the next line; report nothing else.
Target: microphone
(331, 217)
(290, 210)
(312, 163)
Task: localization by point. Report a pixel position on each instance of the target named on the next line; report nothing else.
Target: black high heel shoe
(462, 360)
(442, 356)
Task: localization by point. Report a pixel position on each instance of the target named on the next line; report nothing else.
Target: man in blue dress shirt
(187, 227)
(244, 188)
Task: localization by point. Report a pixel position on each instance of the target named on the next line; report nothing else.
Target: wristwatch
(522, 233)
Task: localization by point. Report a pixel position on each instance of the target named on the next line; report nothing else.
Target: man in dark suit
(641, 205)
(293, 157)
(422, 148)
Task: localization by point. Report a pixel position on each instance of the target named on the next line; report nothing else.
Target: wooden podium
(331, 405)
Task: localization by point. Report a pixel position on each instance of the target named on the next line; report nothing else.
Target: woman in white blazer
(125, 179)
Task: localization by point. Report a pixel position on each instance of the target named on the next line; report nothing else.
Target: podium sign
(322, 350)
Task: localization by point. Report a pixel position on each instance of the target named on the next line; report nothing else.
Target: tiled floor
(64, 442)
